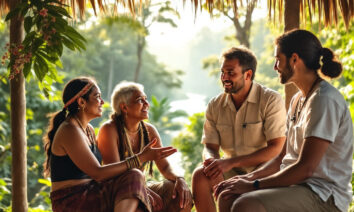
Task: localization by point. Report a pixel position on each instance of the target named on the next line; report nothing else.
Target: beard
(235, 87)
(287, 73)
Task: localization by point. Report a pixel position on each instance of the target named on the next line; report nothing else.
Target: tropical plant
(163, 118)
(188, 142)
(47, 32)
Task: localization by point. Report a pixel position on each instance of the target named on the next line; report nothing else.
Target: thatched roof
(79, 6)
(327, 10)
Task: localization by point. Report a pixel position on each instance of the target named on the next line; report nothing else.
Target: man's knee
(198, 173)
(225, 201)
(198, 176)
(247, 204)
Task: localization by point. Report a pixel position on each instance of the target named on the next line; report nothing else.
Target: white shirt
(324, 116)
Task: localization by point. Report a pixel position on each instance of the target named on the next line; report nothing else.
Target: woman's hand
(184, 194)
(155, 200)
(149, 153)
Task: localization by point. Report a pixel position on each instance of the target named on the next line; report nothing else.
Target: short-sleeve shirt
(260, 118)
(325, 116)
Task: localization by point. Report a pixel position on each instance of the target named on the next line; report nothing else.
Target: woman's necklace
(298, 107)
(130, 141)
(87, 132)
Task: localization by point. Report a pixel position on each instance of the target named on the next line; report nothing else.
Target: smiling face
(282, 66)
(231, 76)
(138, 106)
(94, 103)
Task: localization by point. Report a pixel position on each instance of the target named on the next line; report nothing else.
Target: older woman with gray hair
(126, 134)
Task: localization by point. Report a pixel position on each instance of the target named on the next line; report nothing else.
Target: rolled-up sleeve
(210, 133)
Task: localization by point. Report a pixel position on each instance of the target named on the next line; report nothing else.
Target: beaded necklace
(87, 133)
(129, 151)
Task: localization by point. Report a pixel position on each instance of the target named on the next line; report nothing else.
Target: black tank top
(63, 168)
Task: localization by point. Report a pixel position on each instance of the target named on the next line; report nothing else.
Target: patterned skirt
(102, 196)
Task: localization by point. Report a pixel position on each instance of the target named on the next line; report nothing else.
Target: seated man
(315, 166)
(247, 121)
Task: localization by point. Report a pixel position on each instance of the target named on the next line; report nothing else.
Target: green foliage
(47, 32)
(38, 191)
(188, 143)
(163, 119)
(111, 57)
(341, 41)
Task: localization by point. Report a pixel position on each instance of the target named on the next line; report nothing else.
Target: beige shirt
(325, 116)
(261, 117)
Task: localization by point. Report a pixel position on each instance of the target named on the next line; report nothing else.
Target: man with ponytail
(127, 133)
(79, 181)
(313, 172)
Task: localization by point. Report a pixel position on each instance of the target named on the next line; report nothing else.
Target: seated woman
(127, 134)
(79, 181)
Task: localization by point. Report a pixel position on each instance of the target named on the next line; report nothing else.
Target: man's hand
(233, 186)
(215, 167)
(181, 188)
(155, 199)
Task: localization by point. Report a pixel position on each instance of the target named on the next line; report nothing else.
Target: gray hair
(122, 93)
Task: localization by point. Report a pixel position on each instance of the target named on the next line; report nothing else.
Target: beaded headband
(81, 93)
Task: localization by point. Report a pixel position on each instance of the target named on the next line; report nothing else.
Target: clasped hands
(214, 169)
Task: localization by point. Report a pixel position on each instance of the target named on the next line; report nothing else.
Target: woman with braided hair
(126, 133)
(79, 181)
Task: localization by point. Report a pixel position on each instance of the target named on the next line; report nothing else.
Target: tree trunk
(18, 124)
(140, 48)
(243, 33)
(291, 20)
(110, 77)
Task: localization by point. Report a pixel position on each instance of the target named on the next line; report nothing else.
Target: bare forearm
(289, 176)
(210, 153)
(169, 174)
(110, 170)
(254, 159)
(267, 169)
(273, 148)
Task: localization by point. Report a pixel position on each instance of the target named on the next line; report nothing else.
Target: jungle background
(176, 61)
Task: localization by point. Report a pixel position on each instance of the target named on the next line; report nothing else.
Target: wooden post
(18, 124)
(292, 21)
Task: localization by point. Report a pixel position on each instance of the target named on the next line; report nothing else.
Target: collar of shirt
(252, 97)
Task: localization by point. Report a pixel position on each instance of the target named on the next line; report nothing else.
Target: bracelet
(133, 162)
(256, 184)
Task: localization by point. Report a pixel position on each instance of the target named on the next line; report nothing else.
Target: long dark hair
(73, 87)
(122, 147)
(309, 48)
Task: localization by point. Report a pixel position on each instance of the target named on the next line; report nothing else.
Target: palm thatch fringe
(327, 10)
(4, 6)
(79, 6)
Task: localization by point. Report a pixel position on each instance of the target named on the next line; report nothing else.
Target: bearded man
(246, 122)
